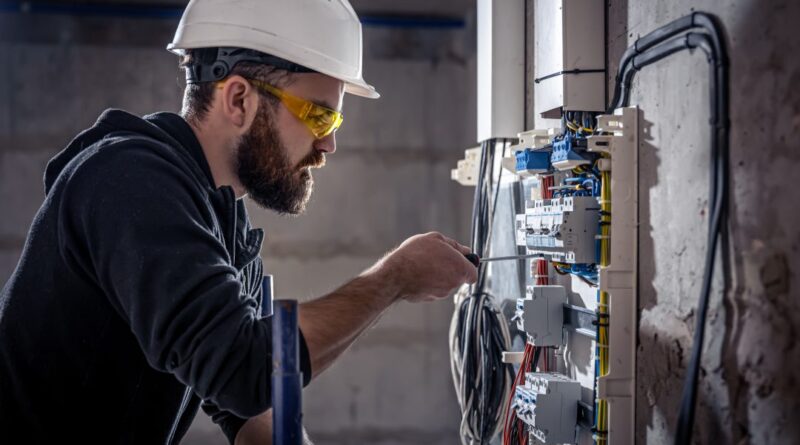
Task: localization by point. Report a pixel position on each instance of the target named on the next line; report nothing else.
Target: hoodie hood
(113, 121)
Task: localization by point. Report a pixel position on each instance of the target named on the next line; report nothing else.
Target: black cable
(481, 341)
(649, 49)
(676, 27)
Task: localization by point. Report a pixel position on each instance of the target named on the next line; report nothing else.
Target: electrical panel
(578, 311)
(566, 223)
(567, 227)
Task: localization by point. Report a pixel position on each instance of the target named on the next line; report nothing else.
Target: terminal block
(466, 171)
(532, 162)
(548, 404)
(570, 152)
(564, 229)
(541, 315)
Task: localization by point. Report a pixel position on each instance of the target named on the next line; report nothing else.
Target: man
(137, 295)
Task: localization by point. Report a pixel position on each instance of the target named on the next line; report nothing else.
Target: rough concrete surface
(749, 390)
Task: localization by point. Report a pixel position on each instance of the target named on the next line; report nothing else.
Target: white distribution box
(569, 60)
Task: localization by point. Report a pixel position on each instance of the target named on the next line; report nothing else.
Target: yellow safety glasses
(322, 121)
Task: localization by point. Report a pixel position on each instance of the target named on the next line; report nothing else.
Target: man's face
(276, 155)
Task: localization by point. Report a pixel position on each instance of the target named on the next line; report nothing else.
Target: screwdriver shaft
(513, 257)
(506, 258)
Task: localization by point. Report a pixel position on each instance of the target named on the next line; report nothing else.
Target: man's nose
(326, 144)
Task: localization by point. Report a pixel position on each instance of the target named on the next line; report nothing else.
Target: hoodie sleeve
(139, 225)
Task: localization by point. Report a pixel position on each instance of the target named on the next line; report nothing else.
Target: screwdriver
(476, 260)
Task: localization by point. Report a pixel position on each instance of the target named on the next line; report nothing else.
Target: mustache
(315, 159)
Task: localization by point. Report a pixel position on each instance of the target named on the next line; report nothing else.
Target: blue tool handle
(287, 379)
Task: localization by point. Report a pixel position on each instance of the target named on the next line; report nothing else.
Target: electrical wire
(514, 432)
(600, 430)
(479, 332)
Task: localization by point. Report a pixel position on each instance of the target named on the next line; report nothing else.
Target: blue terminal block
(530, 161)
(569, 152)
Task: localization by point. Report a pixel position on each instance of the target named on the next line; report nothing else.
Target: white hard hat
(323, 35)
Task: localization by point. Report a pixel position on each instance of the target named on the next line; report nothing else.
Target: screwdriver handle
(474, 259)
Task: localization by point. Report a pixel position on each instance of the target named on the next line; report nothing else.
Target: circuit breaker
(541, 315)
(564, 229)
(548, 403)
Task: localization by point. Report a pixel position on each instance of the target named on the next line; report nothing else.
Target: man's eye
(322, 117)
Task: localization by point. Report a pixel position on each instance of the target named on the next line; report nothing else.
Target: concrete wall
(388, 180)
(749, 391)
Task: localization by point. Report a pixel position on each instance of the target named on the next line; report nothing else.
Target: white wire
(469, 428)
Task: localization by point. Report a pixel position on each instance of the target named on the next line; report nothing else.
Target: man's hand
(427, 267)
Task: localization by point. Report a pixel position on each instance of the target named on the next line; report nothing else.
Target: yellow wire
(602, 340)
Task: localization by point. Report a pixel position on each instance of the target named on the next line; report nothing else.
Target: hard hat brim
(361, 89)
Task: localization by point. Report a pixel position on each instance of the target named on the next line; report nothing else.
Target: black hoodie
(137, 294)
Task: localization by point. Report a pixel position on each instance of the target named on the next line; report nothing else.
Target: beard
(266, 172)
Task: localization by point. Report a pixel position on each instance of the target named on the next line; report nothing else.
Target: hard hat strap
(214, 64)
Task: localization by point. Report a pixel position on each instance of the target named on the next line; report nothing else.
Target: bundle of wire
(479, 332)
(601, 346)
(514, 428)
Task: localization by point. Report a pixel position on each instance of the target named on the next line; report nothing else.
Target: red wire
(518, 380)
(542, 278)
(547, 182)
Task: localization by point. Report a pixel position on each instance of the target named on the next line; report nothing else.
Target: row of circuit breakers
(564, 229)
(567, 220)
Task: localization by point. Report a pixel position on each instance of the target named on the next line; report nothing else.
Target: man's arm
(257, 430)
(424, 268)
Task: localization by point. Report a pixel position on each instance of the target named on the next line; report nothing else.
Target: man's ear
(238, 101)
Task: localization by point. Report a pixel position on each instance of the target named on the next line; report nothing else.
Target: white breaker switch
(563, 228)
(548, 403)
(541, 315)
